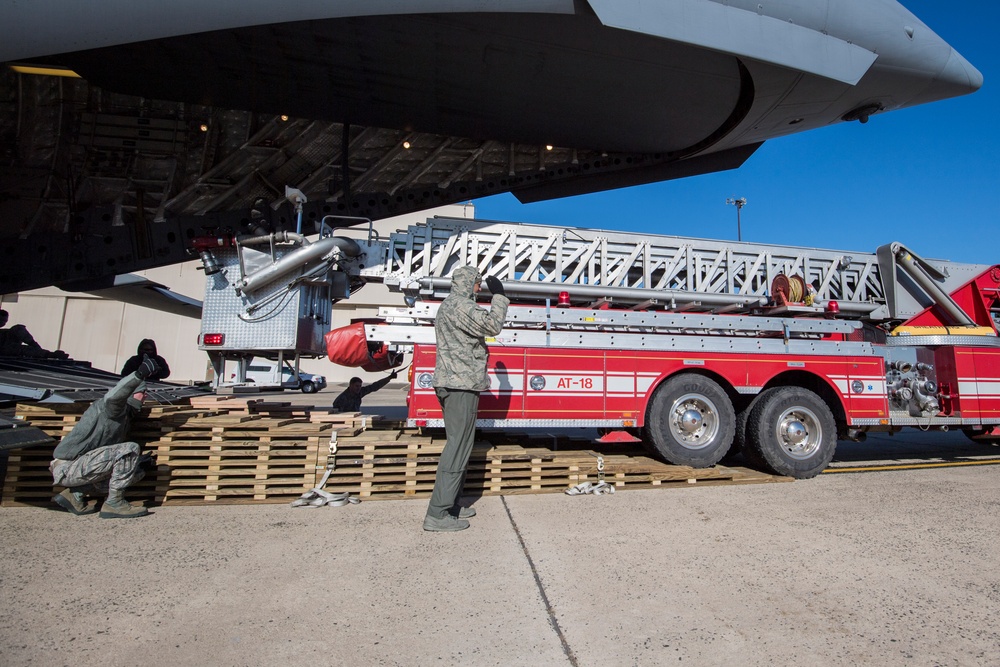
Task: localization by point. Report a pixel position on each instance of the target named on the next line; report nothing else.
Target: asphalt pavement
(896, 567)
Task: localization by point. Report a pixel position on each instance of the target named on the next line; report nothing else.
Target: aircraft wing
(139, 291)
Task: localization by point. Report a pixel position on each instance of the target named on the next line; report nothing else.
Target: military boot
(448, 524)
(462, 512)
(116, 507)
(74, 502)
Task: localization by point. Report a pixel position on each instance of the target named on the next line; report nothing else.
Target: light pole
(739, 204)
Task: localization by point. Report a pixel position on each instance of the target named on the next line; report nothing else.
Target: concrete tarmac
(881, 568)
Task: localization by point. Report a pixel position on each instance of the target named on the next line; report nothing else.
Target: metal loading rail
(542, 326)
(651, 271)
(68, 381)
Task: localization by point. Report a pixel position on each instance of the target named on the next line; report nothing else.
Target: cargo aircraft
(129, 128)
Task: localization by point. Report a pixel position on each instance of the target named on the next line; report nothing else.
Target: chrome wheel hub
(694, 421)
(799, 432)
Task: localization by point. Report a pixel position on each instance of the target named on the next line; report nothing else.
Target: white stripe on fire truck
(621, 385)
(872, 384)
(975, 387)
(510, 381)
(842, 385)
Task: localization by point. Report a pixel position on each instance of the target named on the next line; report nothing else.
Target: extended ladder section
(598, 268)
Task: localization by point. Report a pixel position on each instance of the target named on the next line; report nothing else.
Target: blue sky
(927, 176)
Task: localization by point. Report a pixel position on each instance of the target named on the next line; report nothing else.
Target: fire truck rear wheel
(792, 431)
(691, 421)
(739, 446)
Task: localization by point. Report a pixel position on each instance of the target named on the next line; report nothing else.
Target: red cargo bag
(347, 346)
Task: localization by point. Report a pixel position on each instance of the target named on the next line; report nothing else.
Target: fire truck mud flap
(792, 431)
(691, 421)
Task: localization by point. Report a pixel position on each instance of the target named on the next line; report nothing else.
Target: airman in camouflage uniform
(459, 376)
(93, 456)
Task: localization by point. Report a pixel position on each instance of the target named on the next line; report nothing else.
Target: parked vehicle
(266, 375)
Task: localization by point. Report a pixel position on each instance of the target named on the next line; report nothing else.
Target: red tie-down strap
(347, 346)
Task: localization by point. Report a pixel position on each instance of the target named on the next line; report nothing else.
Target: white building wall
(106, 333)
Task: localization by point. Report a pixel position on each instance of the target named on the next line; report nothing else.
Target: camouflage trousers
(99, 471)
(459, 407)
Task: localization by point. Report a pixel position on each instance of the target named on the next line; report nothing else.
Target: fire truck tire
(732, 455)
(792, 431)
(691, 421)
(739, 446)
(751, 454)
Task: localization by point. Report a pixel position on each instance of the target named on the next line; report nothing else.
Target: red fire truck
(694, 346)
(714, 365)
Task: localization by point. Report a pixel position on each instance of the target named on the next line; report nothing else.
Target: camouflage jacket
(460, 329)
(106, 421)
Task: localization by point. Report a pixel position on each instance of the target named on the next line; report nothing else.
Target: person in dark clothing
(94, 457)
(350, 399)
(460, 331)
(18, 342)
(147, 347)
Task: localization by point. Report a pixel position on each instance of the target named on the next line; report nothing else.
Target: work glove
(147, 368)
(494, 285)
(392, 375)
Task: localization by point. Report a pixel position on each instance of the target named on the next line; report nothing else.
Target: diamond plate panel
(275, 318)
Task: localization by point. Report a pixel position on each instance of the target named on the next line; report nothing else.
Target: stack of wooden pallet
(227, 450)
(238, 457)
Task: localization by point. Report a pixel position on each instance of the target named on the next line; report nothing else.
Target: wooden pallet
(237, 455)
(383, 463)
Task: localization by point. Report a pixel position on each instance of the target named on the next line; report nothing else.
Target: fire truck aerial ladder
(697, 347)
